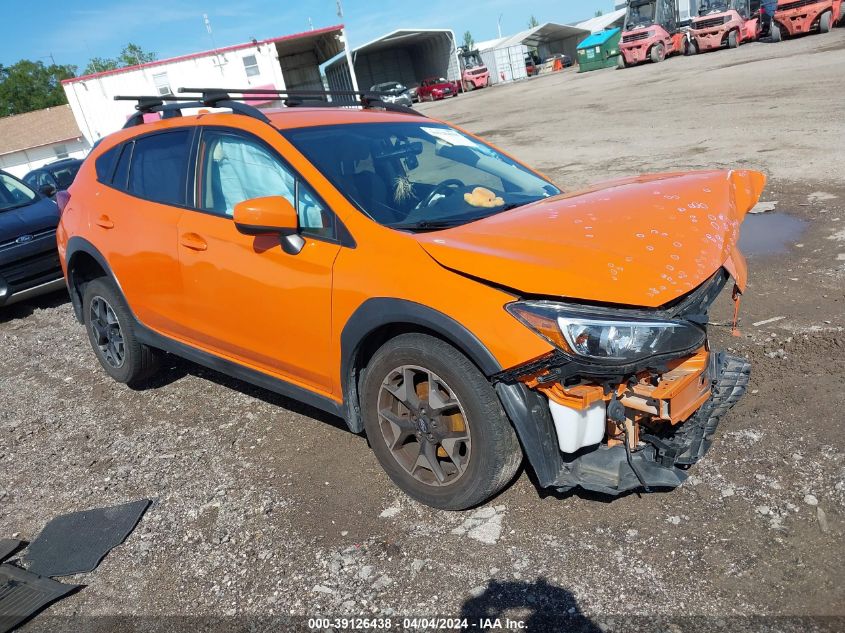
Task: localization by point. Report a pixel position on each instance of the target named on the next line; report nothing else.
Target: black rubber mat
(76, 543)
(9, 546)
(23, 594)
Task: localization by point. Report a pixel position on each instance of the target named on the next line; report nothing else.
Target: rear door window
(159, 167)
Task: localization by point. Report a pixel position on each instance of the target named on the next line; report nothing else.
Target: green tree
(532, 22)
(131, 55)
(100, 64)
(27, 85)
(599, 13)
(469, 43)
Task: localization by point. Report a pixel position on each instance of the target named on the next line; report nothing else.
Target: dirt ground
(264, 508)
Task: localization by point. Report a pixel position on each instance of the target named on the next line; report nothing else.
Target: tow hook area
(642, 433)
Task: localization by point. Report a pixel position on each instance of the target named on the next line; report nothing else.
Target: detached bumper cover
(661, 463)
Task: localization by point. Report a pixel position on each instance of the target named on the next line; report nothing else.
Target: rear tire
(446, 441)
(733, 40)
(777, 34)
(620, 62)
(111, 331)
(657, 53)
(825, 22)
(691, 48)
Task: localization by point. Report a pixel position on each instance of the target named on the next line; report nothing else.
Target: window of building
(162, 84)
(251, 66)
(159, 167)
(61, 151)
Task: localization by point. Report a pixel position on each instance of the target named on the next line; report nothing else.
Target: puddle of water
(769, 233)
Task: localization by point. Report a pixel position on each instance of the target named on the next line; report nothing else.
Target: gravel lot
(266, 508)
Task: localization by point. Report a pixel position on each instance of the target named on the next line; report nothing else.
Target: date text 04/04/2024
(420, 624)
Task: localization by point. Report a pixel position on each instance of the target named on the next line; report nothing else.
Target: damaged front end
(630, 398)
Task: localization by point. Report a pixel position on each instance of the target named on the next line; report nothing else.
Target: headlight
(606, 339)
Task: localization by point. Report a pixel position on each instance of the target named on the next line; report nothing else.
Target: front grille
(635, 37)
(796, 5)
(35, 236)
(31, 271)
(709, 23)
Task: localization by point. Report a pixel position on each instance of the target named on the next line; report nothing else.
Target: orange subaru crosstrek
(439, 295)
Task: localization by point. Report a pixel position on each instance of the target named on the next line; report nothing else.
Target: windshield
(714, 6)
(472, 60)
(14, 194)
(64, 175)
(640, 15)
(388, 87)
(418, 176)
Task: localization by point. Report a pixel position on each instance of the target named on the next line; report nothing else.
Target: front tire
(436, 425)
(111, 331)
(733, 40)
(825, 22)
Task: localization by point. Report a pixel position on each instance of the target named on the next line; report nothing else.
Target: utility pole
(346, 48)
(498, 24)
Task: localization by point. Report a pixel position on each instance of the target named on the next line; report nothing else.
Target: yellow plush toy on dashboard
(481, 197)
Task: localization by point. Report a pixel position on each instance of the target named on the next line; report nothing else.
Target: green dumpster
(599, 50)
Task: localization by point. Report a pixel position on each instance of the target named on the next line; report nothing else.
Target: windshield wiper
(428, 225)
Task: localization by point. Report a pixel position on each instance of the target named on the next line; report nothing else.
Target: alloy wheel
(107, 333)
(424, 425)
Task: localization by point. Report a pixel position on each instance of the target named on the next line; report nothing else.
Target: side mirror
(271, 215)
(48, 190)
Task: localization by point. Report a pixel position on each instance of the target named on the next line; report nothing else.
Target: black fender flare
(380, 312)
(75, 246)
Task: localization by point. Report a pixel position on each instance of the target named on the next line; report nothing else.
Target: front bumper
(29, 269)
(660, 459)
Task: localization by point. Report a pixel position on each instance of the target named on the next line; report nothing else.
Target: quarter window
(251, 66)
(159, 166)
(121, 172)
(104, 165)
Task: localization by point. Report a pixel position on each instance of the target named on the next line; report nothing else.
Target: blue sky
(74, 31)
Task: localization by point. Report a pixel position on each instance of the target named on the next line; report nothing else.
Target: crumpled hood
(639, 241)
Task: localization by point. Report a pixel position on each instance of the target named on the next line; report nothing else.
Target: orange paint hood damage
(640, 241)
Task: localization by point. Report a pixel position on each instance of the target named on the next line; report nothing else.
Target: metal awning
(325, 43)
(540, 35)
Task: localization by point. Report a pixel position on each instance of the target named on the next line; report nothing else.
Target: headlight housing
(606, 339)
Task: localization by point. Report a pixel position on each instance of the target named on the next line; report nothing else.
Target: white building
(687, 9)
(505, 56)
(33, 139)
(284, 63)
(605, 21)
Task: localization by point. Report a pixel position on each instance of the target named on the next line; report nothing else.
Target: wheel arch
(378, 320)
(84, 263)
